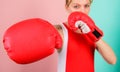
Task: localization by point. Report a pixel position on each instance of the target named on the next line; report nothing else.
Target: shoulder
(58, 27)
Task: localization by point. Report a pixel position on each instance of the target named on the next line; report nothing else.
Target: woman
(40, 37)
(76, 55)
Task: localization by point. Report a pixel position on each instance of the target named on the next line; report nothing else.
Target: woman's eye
(76, 6)
(86, 6)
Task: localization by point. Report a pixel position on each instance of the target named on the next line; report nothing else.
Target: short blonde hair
(67, 3)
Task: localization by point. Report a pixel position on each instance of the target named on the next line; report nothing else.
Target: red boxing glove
(79, 20)
(31, 40)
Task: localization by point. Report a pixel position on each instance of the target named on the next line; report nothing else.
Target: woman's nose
(82, 9)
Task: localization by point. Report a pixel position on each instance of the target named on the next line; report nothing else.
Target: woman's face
(79, 5)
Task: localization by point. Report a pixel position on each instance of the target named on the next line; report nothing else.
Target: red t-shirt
(80, 54)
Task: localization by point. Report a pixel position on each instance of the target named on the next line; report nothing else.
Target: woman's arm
(60, 31)
(106, 51)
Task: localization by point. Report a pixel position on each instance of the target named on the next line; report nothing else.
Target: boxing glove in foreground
(31, 40)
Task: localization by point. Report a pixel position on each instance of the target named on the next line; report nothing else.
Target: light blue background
(106, 14)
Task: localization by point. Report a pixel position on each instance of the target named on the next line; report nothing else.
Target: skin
(102, 47)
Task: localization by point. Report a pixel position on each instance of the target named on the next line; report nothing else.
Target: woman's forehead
(81, 1)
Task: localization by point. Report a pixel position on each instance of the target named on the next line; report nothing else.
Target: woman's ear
(67, 8)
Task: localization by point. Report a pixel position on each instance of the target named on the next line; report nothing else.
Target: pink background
(12, 11)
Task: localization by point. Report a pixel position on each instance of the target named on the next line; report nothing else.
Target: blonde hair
(69, 1)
